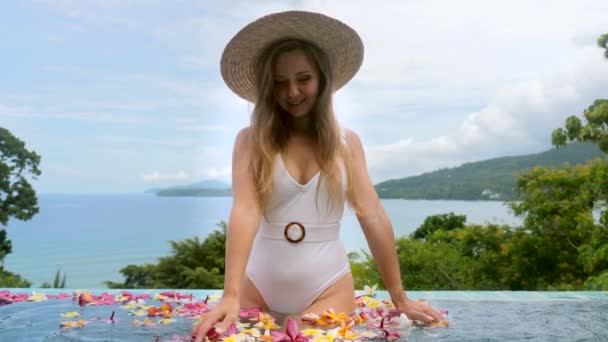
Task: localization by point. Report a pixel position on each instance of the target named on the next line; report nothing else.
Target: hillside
(209, 188)
(492, 179)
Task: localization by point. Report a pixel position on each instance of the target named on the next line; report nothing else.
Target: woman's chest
(300, 162)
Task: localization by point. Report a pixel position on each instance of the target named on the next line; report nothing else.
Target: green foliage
(482, 252)
(135, 277)
(597, 283)
(457, 258)
(595, 130)
(433, 223)
(6, 247)
(602, 42)
(57, 283)
(492, 179)
(17, 197)
(428, 266)
(493, 257)
(558, 206)
(192, 264)
(364, 271)
(8, 279)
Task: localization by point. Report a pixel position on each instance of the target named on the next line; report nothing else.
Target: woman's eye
(304, 79)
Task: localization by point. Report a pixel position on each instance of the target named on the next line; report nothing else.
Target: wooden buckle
(302, 230)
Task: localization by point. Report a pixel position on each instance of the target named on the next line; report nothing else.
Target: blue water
(91, 237)
(473, 316)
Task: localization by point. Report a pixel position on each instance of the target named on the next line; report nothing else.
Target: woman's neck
(301, 125)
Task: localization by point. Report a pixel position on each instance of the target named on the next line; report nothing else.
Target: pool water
(473, 316)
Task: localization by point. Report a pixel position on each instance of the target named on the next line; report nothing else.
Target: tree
(192, 264)
(586, 187)
(439, 222)
(9, 279)
(602, 42)
(595, 130)
(17, 197)
(560, 207)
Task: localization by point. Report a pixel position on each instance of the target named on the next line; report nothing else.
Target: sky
(119, 96)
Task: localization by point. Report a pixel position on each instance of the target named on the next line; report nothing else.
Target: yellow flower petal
(73, 324)
(325, 338)
(37, 297)
(312, 332)
(266, 325)
(241, 325)
(70, 314)
(129, 306)
(139, 313)
(253, 332)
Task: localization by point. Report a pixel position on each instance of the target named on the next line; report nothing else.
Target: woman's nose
(294, 90)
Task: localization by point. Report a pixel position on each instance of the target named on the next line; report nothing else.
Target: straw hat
(340, 42)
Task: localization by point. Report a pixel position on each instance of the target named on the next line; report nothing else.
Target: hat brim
(341, 43)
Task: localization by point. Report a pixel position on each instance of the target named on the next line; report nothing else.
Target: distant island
(492, 179)
(205, 188)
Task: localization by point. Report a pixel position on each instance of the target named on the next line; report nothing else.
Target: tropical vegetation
(18, 200)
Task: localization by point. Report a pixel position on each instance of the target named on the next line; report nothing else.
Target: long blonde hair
(271, 125)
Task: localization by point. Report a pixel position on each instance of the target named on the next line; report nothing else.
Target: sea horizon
(92, 236)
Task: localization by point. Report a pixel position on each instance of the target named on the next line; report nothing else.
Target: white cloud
(517, 120)
(442, 82)
(156, 176)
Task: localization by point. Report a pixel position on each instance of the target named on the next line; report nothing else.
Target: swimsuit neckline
(317, 174)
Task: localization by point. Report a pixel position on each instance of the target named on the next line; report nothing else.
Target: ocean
(91, 237)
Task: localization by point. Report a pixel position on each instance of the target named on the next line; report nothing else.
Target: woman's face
(296, 83)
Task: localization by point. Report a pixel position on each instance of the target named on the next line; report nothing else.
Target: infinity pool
(127, 316)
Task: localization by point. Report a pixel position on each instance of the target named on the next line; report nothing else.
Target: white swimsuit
(291, 275)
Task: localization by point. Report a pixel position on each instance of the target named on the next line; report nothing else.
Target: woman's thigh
(251, 296)
(340, 297)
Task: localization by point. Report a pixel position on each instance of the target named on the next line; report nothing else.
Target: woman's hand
(419, 311)
(225, 314)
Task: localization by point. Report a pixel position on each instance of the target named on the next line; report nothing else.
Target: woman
(293, 170)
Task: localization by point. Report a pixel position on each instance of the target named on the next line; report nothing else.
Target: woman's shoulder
(350, 137)
(244, 135)
(244, 132)
(244, 139)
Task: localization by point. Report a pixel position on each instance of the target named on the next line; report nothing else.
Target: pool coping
(428, 295)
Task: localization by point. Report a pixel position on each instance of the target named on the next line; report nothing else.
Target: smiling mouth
(295, 104)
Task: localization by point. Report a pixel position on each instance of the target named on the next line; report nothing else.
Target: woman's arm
(242, 227)
(244, 216)
(378, 232)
